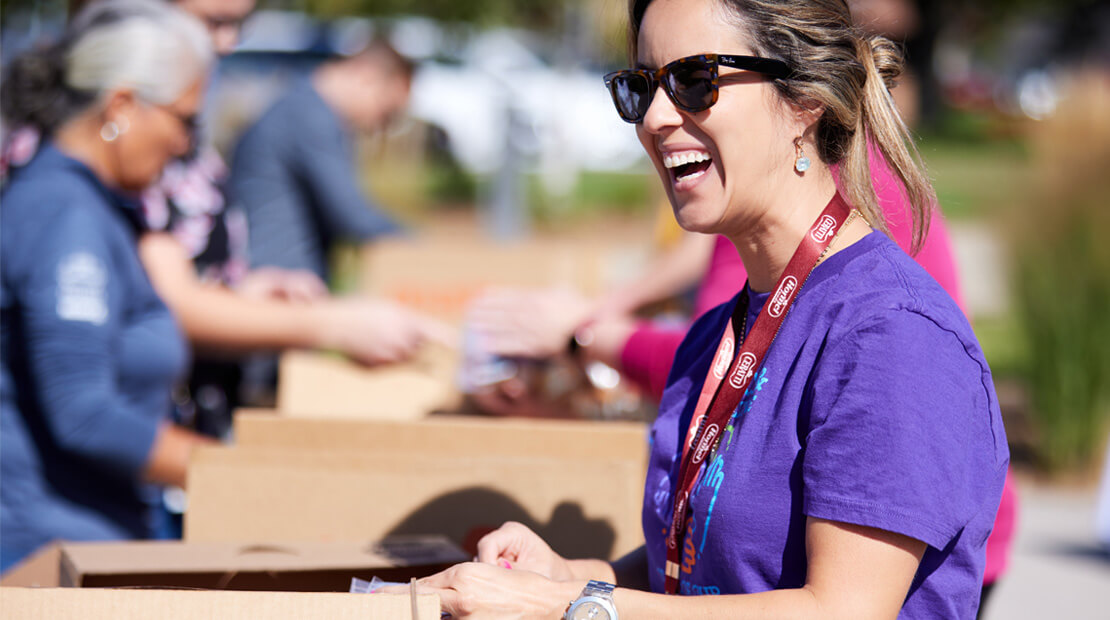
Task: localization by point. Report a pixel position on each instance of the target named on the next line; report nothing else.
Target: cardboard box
(313, 384)
(41, 569)
(585, 506)
(447, 436)
(287, 566)
(140, 604)
(441, 276)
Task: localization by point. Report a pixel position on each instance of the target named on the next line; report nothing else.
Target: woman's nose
(661, 113)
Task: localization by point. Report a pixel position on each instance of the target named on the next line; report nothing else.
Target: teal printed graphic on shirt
(713, 478)
(714, 475)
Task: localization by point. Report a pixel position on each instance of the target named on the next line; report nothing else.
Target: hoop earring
(109, 131)
(801, 162)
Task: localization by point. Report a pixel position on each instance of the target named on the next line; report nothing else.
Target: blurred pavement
(1057, 569)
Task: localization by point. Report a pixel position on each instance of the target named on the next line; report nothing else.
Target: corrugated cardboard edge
(139, 604)
(445, 435)
(175, 556)
(39, 570)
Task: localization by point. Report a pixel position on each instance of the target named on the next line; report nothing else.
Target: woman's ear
(120, 107)
(806, 115)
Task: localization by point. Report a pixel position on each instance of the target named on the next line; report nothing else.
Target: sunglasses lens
(691, 84)
(632, 95)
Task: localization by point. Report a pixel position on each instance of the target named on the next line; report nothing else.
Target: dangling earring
(111, 130)
(801, 162)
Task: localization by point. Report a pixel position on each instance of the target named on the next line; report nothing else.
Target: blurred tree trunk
(920, 48)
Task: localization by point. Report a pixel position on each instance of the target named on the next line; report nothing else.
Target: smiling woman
(829, 443)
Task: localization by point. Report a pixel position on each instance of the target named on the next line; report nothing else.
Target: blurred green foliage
(975, 179)
(625, 193)
(1063, 303)
(1062, 280)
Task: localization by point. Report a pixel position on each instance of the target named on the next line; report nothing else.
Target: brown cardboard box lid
(40, 569)
(313, 384)
(447, 435)
(142, 604)
(295, 566)
(159, 556)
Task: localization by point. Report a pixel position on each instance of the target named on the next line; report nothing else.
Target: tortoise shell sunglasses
(691, 82)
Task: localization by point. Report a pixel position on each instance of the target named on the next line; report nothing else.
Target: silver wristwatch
(595, 603)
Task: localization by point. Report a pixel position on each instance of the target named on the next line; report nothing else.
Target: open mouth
(688, 165)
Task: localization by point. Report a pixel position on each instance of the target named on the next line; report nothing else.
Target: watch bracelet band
(598, 588)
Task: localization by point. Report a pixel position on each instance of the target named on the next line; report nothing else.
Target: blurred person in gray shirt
(294, 171)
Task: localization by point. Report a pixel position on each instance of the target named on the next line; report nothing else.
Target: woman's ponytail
(880, 125)
(35, 93)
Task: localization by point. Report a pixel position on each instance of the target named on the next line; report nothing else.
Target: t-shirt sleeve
(72, 308)
(904, 433)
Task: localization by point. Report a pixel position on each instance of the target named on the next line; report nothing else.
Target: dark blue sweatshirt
(90, 354)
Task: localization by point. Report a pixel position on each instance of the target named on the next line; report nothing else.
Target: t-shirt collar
(824, 271)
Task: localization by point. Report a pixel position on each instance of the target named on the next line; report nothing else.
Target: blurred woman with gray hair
(89, 351)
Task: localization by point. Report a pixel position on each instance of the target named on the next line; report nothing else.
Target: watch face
(589, 610)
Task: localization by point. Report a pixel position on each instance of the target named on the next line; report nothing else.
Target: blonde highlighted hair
(848, 74)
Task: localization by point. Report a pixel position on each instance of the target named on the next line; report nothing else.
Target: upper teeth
(681, 159)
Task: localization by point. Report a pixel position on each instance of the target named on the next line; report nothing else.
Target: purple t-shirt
(874, 407)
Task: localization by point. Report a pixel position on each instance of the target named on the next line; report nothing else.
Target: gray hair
(146, 46)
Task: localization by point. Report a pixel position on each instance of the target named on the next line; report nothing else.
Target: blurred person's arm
(293, 285)
(73, 329)
(539, 323)
(217, 318)
(646, 355)
(668, 275)
(326, 167)
(169, 458)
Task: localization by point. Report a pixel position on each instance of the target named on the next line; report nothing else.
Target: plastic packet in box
(361, 586)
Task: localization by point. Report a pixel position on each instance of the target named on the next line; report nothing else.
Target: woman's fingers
(473, 590)
(494, 547)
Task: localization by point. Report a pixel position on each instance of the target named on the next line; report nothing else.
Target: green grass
(594, 193)
(976, 179)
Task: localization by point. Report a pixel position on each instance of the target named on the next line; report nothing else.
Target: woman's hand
(479, 591)
(374, 331)
(513, 545)
(528, 323)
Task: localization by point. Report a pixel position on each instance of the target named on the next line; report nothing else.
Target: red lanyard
(719, 398)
